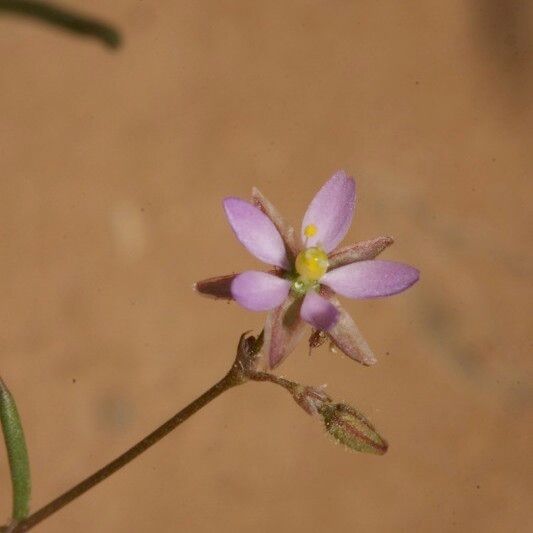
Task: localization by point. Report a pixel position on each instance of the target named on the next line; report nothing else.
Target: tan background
(113, 166)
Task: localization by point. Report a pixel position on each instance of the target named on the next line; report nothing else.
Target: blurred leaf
(64, 19)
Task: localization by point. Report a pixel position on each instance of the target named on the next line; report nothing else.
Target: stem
(227, 382)
(265, 376)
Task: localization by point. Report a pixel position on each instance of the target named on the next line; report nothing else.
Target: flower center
(312, 263)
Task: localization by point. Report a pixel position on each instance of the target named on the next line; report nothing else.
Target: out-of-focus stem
(64, 19)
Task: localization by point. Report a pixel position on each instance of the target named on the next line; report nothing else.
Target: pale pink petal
(218, 287)
(360, 251)
(346, 336)
(256, 232)
(370, 279)
(285, 230)
(318, 311)
(331, 212)
(283, 330)
(259, 291)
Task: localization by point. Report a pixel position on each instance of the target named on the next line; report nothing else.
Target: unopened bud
(349, 427)
(311, 399)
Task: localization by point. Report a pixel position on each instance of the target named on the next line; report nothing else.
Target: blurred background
(113, 167)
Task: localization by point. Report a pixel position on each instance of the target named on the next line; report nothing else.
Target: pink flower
(308, 270)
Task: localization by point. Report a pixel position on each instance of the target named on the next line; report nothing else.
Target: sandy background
(113, 167)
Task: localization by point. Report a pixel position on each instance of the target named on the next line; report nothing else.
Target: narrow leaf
(17, 454)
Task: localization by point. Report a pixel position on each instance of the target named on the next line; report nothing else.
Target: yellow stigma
(310, 230)
(312, 263)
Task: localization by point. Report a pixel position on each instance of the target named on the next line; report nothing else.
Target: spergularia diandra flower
(308, 270)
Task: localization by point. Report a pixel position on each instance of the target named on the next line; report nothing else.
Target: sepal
(218, 287)
(360, 251)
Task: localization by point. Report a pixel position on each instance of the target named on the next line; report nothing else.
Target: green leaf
(17, 453)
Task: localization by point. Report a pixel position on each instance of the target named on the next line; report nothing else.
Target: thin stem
(265, 376)
(227, 382)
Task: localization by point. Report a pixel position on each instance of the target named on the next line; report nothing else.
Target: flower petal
(360, 251)
(330, 212)
(283, 329)
(346, 336)
(318, 311)
(285, 230)
(256, 232)
(370, 279)
(218, 287)
(259, 291)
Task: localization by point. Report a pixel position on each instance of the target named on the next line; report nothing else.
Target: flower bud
(349, 427)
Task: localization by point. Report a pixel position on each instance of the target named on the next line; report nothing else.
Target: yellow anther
(310, 230)
(312, 263)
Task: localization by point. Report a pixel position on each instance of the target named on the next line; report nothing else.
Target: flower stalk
(247, 354)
